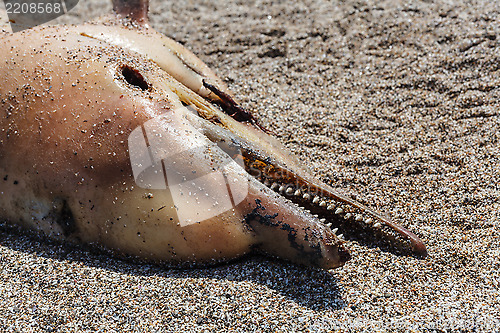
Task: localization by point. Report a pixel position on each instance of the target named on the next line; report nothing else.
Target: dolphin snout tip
(334, 256)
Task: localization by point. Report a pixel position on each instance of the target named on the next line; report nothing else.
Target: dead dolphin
(114, 135)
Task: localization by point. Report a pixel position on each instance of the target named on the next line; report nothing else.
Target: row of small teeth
(289, 190)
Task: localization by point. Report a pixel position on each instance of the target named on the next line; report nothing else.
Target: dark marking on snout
(254, 215)
(66, 220)
(269, 220)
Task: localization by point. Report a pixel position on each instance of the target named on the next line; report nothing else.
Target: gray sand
(395, 101)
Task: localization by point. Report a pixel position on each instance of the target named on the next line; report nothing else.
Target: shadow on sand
(315, 289)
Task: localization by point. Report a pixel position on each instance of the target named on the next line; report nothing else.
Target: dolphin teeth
(334, 230)
(340, 236)
(297, 192)
(315, 200)
(330, 207)
(282, 188)
(289, 190)
(323, 220)
(329, 225)
(339, 211)
(306, 196)
(359, 217)
(377, 225)
(369, 221)
(322, 204)
(274, 186)
(347, 216)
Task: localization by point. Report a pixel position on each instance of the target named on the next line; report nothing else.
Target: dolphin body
(114, 135)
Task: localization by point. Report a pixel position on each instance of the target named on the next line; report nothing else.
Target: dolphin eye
(134, 77)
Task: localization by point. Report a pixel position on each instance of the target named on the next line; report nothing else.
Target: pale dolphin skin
(71, 96)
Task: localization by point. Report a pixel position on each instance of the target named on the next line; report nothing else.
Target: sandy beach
(395, 102)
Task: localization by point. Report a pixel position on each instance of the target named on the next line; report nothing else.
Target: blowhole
(134, 77)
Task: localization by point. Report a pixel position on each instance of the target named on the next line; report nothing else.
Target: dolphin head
(140, 148)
